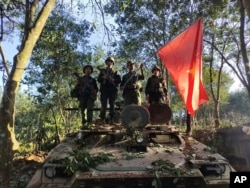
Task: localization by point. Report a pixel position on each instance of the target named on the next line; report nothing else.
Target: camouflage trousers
(132, 97)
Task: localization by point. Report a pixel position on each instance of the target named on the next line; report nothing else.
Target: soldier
(131, 86)
(109, 81)
(87, 94)
(156, 91)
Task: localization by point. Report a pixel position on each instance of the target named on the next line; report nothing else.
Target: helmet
(110, 59)
(130, 63)
(156, 68)
(89, 67)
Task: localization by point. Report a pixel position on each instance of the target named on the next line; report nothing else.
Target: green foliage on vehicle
(80, 159)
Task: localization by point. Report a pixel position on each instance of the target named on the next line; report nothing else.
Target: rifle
(109, 78)
(86, 85)
(133, 74)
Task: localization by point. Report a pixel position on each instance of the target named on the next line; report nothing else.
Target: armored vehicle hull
(137, 154)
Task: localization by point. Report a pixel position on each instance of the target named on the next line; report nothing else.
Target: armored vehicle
(144, 150)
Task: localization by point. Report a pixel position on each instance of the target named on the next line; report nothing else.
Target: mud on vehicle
(143, 151)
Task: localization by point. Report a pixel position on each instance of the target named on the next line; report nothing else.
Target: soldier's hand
(167, 99)
(164, 81)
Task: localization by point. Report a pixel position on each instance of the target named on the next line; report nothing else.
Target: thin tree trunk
(243, 44)
(247, 7)
(216, 114)
(8, 143)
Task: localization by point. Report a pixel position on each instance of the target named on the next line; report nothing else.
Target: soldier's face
(156, 72)
(109, 63)
(131, 67)
(87, 70)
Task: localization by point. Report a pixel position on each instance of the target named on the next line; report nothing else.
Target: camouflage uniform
(108, 89)
(131, 87)
(88, 91)
(156, 89)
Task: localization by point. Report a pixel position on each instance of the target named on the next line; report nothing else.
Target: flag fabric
(182, 57)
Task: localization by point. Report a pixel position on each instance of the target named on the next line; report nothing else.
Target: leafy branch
(82, 160)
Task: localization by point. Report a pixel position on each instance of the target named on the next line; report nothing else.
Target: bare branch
(237, 71)
(4, 60)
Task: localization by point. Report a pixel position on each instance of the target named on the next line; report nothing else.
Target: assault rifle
(109, 78)
(133, 74)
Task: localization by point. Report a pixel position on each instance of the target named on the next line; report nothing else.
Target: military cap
(110, 59)
(156, 68)
(91, 68)
(130, 63)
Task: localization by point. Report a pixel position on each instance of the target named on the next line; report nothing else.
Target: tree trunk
(8, 143)
(7, 139)
(247, 7)
(244, 47)
(216, 114)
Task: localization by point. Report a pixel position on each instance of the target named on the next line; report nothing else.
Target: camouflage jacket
(131, 81)
(87, 86)
(155, 85)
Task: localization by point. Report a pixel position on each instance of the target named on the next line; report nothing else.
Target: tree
(246, 4)
(217, 62)
(35, 20)
(234, 29)
(145, 27)
(63, 48)
(244, 78)
(236, 110)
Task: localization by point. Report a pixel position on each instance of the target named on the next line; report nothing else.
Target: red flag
(182, 57)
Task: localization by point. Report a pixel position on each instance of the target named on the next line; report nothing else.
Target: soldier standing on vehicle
(87, 94)
(131, 85)
(156, 91)
(109, 81)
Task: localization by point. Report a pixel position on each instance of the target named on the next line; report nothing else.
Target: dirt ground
(24, 167)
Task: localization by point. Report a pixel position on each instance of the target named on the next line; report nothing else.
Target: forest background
(56, 39)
